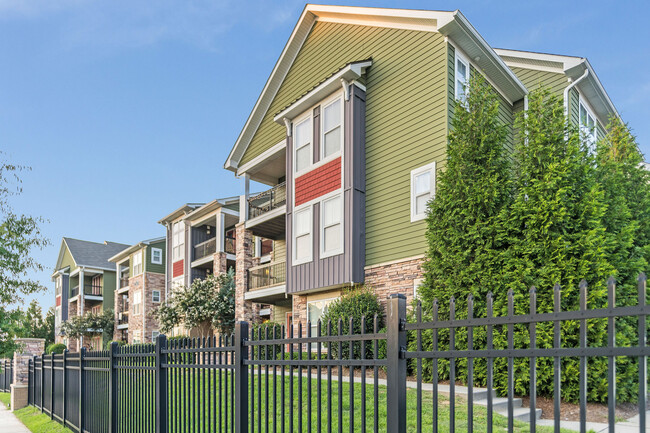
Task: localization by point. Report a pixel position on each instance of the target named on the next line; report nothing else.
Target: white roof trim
(567, 61)
(261, 158)
(395, 18)
(353, 71)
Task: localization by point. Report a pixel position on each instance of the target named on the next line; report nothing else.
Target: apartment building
(139, 289)
(84, 281)
(349, 133)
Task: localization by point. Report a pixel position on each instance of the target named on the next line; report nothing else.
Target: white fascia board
(349, 73)
(568, 61)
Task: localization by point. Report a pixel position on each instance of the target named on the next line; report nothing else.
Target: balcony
(124, 282)
(123, 318)
(89, 290)
(267, 212)
(230, 245)
(206, 248)
(266, 283)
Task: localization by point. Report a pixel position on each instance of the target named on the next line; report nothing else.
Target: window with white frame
(587, 124)
(137, 337)
(315, 311)
(461, 77)
(331, 126)
(302, 246)
(155, 295)
(58, 283)
(332, 227)
(137, 302)
(178, 241)
(57, 317)
(177, 286)
(156, 256)
(417, 283)
(154, 334)
(423, 182)
(302, 143)
(137, 263)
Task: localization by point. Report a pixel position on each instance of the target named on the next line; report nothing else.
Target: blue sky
(124, 110)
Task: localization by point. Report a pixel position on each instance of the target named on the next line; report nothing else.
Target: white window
(137, 302)
(57, 318)
(423, 181)
(587, 124)
(315, 311)
(416, 286)
(302, 143)
(332, 227)
(155, 295)
(156, 256)
(461, 77)
(57, 285)
(177, 285)
(302, 245)
(154, 334)
(178, 241)
(137, 337)
(332, 131)
(137, 263)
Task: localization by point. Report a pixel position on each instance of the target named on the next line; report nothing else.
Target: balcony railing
(123, 318)
(267, 201)
(272, 274)
(89, 289)
(230, 246)
(124, 282)
(205, 248)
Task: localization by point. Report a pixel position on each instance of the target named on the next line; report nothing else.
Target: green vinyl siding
(406, 119)
(153, 267)
(108, 302)
(67, 260)
(532, 79)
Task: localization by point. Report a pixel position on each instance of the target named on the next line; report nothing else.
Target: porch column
(27, 349)
(244, 310)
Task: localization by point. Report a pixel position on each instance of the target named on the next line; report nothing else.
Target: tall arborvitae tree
(464, 255)
(626, 185)
(555, 235)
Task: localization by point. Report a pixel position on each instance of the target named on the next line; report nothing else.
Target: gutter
(569, 87)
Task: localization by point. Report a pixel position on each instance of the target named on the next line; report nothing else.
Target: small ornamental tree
(206, 304)
(89, 325)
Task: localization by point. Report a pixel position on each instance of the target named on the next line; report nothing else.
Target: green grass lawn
(33, 419)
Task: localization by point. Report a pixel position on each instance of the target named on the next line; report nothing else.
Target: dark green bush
(361, 305)
(119, 343)
(55, 348)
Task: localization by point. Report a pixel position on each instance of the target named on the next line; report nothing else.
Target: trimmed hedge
(55, 348)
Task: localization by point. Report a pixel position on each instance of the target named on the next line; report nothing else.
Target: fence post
(112, 389)
(161, 384)
(52, 386)
(82, 386)
(65, 354)
(42, 381)
(241, 378)
(396, 364)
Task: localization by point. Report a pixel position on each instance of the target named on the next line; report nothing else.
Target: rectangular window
(58, 285)
(156, 256)
(178, 241)
(177, 286)
(461, 77)
(423, 182)
(332, 131)
(315, 311)
(332, 227)
(587, 124)
(155, 295)
(137, 302)
(137, 337)
(154, 334)
(302, 245)
(302, 143)
(137, 263)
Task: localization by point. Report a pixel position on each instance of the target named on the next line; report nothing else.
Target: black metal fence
(278, 379)
(6, 374)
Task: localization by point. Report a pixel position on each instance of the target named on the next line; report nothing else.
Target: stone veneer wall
(151, 281)
(244, 310)
(220, 263)
(27, 348)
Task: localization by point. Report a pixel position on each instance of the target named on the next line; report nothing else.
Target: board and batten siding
(347, 267)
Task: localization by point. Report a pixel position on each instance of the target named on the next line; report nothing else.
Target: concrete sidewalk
(9, 422)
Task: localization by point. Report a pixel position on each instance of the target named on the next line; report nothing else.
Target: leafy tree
(464, 252)
(34, 325)
(20, 235)
(206, 304)
(10, 327)
(89, 325)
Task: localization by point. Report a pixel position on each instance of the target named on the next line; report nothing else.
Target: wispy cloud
(137, 23)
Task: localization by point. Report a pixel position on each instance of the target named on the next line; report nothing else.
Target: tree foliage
(205, 305)
(551, 212)
(89, 325)
(20, 235)
(30, 323)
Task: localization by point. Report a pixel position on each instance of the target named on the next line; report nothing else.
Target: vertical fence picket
(452, 367)
(241, 378)
(42, 382)
(161, 384)
(611, 364)
(470, 366)
(490, 364)
(643, 365)
(511, 368)
(532, 363)
(63, 384)
(112, 388)
(434, 367)
(557, 362)
(418, 368)
(82, 399)
(583, 359)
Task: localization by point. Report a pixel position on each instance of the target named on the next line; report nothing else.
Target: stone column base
(19, 394)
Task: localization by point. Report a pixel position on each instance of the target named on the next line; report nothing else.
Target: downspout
(569, 87)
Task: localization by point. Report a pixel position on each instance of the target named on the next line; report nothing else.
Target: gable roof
(183, 210)
(91, 254)
(127, 251)
(451, 24)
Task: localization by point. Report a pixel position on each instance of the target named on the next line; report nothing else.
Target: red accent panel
(318, 182)
(58, 301)
(178, 268)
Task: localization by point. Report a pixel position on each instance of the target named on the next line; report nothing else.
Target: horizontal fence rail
(377, 374)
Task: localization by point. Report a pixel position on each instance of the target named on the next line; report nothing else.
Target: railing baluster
(532, 365)
(583, 359)
(611, 365)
